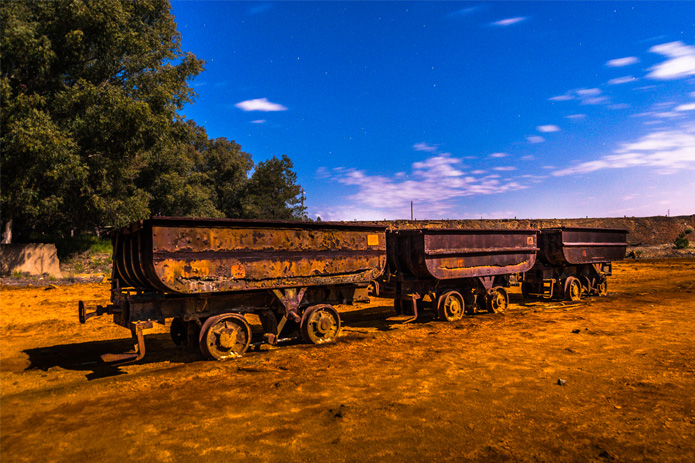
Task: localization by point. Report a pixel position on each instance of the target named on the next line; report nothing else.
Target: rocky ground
(605, 379)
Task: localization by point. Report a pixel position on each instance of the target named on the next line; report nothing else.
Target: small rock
(576, 331)
(51, 287)
(561, 382)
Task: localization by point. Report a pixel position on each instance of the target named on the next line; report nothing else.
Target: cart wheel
(603, 288)
(225, 336)
(525, 290)
(573, 289)
(497, 300)
(320, 324)
(451, 306)
(179, 332)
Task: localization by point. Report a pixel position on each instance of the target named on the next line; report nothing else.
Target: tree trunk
(7, 234)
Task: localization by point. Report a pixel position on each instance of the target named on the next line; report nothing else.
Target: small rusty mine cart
(205, 274)
(454, 271)
(574, 261)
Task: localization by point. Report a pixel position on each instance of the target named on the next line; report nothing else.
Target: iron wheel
(603, 288)
(497, 300)
(573, 289)
(451, 306)
(225, 336)
(320, 324)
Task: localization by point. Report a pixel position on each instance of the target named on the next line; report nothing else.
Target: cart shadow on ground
(86, 356)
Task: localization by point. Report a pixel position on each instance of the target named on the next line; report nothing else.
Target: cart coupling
(95, 311)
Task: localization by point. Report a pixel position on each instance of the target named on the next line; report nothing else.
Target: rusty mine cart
(574, 261)
(205, 274)
(454, 271)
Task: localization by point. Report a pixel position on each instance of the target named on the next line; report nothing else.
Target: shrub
(681, 242)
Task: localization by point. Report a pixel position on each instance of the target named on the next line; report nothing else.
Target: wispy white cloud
(585, 92)
(260, 104)
(425, 147)
(620, 62)
(499, 155)
(575, 116)
(509, 21)
(596, 100)
(259, 121)
(681, 62)
(464, 11)
(260, 8)
(432, 184)
(666, 151)
(504, 168)
(586, 96)
(668, 114)
(686, 107)
(535, 139)
(548, 128)
(621, 80)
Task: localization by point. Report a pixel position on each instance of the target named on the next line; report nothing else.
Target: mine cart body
(192, 270)
(573, 261)
(195, 256)
(476, 264)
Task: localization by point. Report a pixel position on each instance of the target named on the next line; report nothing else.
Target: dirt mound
(643, 231)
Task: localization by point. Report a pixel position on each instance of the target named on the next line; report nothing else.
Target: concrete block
(32, 258)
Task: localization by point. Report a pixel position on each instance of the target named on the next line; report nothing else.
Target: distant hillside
(643, 231)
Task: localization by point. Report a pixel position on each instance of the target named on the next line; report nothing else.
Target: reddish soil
(482, 389)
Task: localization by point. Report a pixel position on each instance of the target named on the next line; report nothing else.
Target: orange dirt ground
(482, 389)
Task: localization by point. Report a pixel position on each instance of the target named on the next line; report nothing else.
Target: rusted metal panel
(461, 253)
(575, 245)
(175, 255)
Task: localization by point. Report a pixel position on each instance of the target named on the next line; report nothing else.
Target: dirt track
(483, 389)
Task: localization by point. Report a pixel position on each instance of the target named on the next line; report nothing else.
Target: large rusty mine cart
(205, 274)
(574, 261)
(454, 271)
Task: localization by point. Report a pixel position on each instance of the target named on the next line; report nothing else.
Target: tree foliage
(681, 241)
(272, 192)
(91, 132)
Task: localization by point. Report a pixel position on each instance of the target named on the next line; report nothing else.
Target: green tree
(273, 192)
(174, 176)
(91, 133)
(681, 241)
(227, 168)
(90, 94)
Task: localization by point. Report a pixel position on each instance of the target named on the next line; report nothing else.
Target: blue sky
(494, 110)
